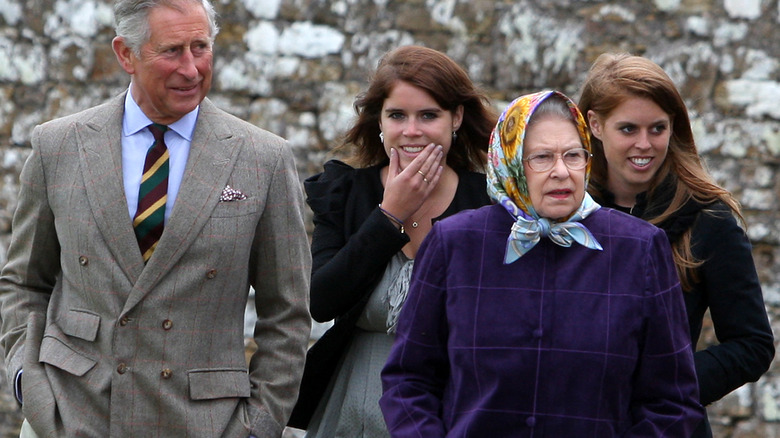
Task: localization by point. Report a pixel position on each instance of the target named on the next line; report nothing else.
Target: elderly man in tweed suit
(112, 330)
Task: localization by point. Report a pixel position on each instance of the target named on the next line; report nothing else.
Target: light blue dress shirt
(136, 141)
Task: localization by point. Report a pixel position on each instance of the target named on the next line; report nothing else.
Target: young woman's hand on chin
(407, 189)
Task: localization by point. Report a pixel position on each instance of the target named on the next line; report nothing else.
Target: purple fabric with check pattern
(564, 342)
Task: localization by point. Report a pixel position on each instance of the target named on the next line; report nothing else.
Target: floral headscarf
(507, 184)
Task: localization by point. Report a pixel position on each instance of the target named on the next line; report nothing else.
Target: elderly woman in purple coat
(542, 315)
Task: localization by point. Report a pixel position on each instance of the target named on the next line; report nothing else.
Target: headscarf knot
(526, 233)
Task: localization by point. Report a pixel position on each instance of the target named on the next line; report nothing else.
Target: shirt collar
(135, 120)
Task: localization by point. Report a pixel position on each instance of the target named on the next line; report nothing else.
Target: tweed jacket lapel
(100, 152)
(213, 153)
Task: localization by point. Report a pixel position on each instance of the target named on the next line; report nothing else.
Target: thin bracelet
(392, 218)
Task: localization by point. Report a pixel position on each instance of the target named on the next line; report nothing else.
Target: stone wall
(294, 67)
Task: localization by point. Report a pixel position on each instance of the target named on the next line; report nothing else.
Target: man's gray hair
(132, 19)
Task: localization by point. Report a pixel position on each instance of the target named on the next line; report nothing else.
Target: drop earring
(454, 135)
(382, 137)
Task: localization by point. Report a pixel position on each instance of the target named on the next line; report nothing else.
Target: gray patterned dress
(352, 410)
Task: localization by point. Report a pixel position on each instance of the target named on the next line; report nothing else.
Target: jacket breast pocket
(236, 208)
(209, 384)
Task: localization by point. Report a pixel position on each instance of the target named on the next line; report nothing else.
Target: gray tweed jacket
(110, 346)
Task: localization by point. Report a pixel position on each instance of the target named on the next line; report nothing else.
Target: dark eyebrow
(654, 122)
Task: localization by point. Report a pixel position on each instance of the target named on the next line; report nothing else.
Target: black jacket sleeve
(729, 286)
(352, 242)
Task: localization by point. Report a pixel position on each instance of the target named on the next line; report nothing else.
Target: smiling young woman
(645, 163)
(417, 153)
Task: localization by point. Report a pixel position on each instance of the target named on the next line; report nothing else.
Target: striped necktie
(149, 219)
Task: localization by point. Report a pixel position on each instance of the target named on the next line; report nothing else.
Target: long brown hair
(615, 77)
(447, 83)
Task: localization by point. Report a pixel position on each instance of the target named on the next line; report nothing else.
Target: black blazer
(353, 241)
(728, 285)
(351, 246)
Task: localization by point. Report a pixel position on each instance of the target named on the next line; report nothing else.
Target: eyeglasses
(574, 159)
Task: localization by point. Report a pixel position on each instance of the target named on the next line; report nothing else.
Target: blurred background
(294, 67)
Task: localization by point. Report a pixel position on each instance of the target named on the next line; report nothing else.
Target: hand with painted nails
(407, 188)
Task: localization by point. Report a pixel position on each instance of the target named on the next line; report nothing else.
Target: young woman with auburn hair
(645, 163)
(417, 150)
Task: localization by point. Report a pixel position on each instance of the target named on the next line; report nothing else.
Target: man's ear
(124, 55)
(595, 124)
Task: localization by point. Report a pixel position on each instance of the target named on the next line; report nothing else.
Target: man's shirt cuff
(18, 386)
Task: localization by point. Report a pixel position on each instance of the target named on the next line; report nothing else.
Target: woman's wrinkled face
(558, 192)
(412, 119)
(636, 138)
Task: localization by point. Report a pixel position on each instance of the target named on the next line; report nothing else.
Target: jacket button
(83, 261)
(167, 324)
(211, 273)
(121, 369)
(166, 373)
(123, 321)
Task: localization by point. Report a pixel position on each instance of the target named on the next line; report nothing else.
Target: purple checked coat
(563, 342)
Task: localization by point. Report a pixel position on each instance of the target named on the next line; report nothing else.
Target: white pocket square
(230, 194)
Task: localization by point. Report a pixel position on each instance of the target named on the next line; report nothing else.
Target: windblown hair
(132, 19)
(614, 78)
(447, 83)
